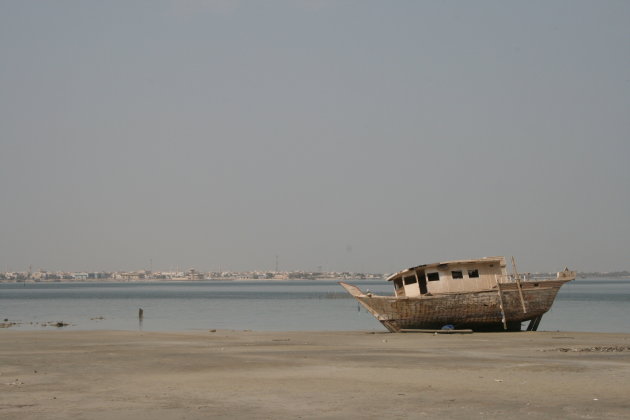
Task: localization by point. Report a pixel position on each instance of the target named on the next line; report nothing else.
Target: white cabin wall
(459, 285)
(412, 289)
(447, 284)
(442, 285)
(487, 275)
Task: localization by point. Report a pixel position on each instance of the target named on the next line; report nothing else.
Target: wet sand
(270, 375)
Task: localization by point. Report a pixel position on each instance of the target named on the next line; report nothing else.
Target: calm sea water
(582, 305)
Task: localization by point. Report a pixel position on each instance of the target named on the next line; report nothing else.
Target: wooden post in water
(533, 324)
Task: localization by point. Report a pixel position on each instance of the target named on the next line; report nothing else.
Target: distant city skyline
(360, 136)
(175, 270)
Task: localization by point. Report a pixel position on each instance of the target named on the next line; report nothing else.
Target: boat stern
(566, 275)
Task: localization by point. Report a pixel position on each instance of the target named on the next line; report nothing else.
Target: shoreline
(101, 374)
(175, 281)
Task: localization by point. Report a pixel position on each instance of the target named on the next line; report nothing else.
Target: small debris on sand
(58, 324)
(17, 382)
(601, 349)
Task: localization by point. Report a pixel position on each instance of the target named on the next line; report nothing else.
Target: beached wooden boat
(477, 294)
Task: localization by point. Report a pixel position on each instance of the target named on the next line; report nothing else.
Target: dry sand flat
(240, 374)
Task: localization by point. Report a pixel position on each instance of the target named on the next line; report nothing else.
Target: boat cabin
(449, 277)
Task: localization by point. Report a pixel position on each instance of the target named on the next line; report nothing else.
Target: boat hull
(486, 310)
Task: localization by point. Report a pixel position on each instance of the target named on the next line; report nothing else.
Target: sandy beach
(269, 375)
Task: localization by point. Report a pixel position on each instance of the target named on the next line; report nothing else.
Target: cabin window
(433, 276)
(473, 273)
(457, 274)
(410, 280)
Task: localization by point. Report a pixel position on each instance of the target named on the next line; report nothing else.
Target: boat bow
(353, 290)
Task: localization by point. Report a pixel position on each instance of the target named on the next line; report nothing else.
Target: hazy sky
(347, 135)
